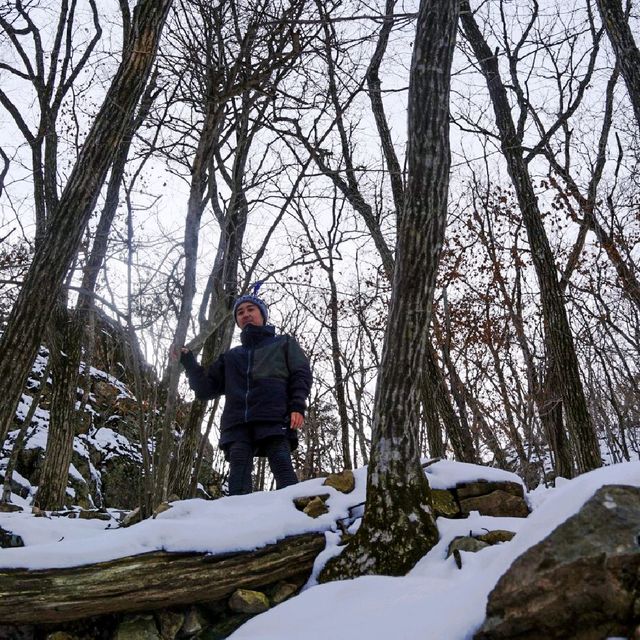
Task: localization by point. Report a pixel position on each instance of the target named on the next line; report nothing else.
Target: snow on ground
(435, 600)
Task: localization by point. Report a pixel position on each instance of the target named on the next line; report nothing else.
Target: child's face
(248, 313)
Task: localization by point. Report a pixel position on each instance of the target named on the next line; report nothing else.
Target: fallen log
(150, 581)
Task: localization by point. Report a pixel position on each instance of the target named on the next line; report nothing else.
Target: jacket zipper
(246, 395)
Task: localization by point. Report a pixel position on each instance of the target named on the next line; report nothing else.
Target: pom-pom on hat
(253, 299)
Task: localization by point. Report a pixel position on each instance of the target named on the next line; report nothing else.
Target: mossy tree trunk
(398, 527)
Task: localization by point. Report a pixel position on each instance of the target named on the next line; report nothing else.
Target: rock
(127, 406)
(283, 591)
(60, 635)
(466, 543)
(161, 508)
(9, 507)
(106, 393)
(246, 601)
(444, 504)
(86, 514)
(10, 632)
(133, 517)
(225, 627)
(194, 622)
(580, 582)
(121, 479)
(316, 508)
(9, 540)
(137, 628)
(498, 503)
(301, 503)
(343, 482)
(483, 487)
(497, 536)
(170, 623)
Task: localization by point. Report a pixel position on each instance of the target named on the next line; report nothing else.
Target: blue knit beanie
(253, 299)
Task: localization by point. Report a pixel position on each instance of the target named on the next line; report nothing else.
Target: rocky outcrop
(106, 462)
(499, 499)
(581, 582)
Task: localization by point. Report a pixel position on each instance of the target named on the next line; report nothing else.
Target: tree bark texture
(616, 22)
(398, 525)
(437, 394)
(146, 582)
(53, 257)
(557, 328)
(67, 336)
(336, 357)
(65, 339)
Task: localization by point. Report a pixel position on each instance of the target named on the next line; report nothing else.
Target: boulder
(316, 508)
(225, 627)
(248, 601)
(121, 482)
(466, 543)
(137, 628)
(483, 487)
(283, 591)
(497, 536)
(194, 623)
(92, 514)
(9, 507)
(170, 623)
(343, 482)
(582, 581)
(302, 502)
(444, 503)
(9, 540)
(498, 503)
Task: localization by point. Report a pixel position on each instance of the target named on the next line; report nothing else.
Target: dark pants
(240, 455)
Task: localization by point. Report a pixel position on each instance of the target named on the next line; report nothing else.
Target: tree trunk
(398, 525)
(457, 430)
(150, 581)
(616, 22)
(64, 353)
(53, 257)
(557, 328)
(195, 209)
(336, 357)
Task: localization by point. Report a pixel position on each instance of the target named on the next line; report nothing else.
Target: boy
(266, 381)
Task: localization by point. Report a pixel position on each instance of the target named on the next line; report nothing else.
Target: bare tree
(262, 52)
(557, 328)
(398, 526)
(67, 222)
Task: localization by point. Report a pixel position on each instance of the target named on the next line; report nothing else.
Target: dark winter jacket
(263, 380)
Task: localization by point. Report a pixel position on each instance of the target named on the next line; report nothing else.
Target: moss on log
(146, 582)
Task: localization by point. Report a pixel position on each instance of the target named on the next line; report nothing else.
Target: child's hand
(175, 353)
(297, 420)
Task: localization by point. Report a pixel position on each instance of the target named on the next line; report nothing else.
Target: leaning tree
(61, 240)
